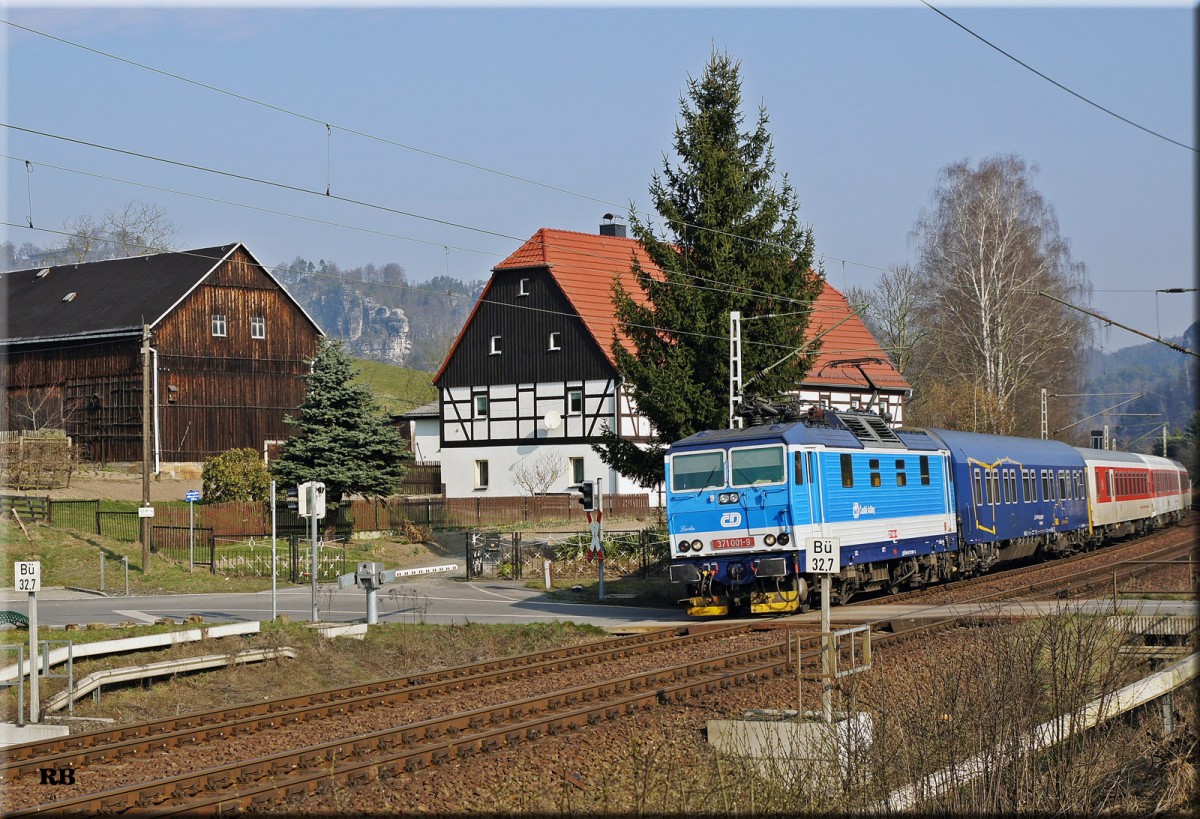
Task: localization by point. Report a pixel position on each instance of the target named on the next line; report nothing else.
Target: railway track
(258, 780)
(190, 741)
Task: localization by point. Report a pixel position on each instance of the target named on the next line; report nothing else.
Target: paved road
(428, 599)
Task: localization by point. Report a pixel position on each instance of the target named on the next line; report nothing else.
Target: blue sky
(866, 104)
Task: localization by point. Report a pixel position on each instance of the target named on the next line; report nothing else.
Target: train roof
(1110, 456)
(834, 432)
(990, 449)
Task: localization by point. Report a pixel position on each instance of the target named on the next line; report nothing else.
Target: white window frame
(481, 474)
(576, 468)
(571, 410)
(523, 287)
(555, 342)
(220, 325)
(258, 327)
(494, 347)
(479, 403)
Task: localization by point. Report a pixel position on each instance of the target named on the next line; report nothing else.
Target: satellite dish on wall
(552, 420)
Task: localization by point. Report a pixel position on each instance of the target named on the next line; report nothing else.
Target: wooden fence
(359, 515)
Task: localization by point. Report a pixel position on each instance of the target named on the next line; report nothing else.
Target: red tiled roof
(584, 265)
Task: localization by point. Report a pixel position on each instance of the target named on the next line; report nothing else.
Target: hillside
(380, 315)
(397, 389)
(1169, 380)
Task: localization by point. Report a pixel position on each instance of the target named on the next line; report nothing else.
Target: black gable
(111, 297)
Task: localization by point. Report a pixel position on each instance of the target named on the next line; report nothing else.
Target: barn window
(555, 341)
(258, 327)
(481, 406)
(481, 474)
(494, 349)
(574, 402)
(523, 287)
(218, 324)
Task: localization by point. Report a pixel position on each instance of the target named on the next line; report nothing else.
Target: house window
(481, 406)
(523, 287)
(481, 474)
(494, 349)
(258, 327)
(574, 402)
(555, 341)
(576, 469)
(218, 324)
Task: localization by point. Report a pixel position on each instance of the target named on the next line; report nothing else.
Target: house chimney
(610, 228)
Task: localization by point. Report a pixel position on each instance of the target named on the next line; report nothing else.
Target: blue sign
(192, 495)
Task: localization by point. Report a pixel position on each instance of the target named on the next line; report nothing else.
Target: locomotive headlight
(784, 539)
(684, 545)
(728, 497)
(769, 540)
(697, 544)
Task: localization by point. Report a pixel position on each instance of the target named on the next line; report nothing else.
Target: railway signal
(587, 495)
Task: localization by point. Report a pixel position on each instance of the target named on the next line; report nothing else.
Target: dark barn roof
(111, 298)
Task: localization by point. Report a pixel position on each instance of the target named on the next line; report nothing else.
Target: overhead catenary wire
(1055, 82)
(397, 144)
(579, 314)
(710, 284)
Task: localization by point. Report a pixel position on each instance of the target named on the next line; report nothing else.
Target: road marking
(135, 615)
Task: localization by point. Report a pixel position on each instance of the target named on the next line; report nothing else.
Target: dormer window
(219, 325)
(523, 287)
(555, 342)
(494, 349)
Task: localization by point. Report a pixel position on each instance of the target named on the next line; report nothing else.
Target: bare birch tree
(896, 309)
(988, 244)
(134, 229)
(537, 474)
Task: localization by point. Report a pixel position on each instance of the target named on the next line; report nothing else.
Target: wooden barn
(228, 350)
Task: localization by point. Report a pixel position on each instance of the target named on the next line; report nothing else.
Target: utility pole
(146, 376)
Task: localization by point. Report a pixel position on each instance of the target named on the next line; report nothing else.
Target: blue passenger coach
(742, 505)
(1016, 496)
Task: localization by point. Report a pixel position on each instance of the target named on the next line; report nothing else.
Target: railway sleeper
(513, 739)
(440, 757)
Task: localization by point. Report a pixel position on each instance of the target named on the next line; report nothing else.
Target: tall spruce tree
(731, 240)
(342, 438)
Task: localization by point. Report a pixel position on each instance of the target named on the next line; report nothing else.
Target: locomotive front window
(698, 470)
(757, 465)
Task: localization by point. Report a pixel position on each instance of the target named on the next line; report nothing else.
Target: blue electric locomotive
(743, 503)
(908, 507)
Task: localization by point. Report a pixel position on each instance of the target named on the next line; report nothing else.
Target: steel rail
(196, 729)
(426, 739)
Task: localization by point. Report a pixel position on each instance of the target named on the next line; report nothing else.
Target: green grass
(397, 389)
(72, 559)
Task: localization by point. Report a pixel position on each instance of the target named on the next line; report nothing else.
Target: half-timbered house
(531, 381)
(228, 349)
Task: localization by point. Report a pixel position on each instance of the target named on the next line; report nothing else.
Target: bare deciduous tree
(134, 229)
(537, 474)
(990, 242)
(896, 308)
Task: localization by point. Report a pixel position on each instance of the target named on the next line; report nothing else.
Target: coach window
(1062, 485)
(1108, 476)
(876, 480)
(993, 487)
(1007, 490)
(847, 471)
(924, 470)
(901, 476)
(1046, 495)
(798, 463)
(976, 488)
(763, 464)
(697, 470)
